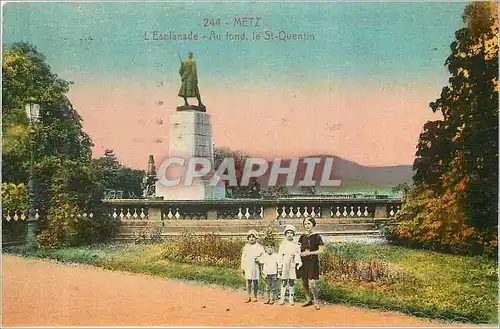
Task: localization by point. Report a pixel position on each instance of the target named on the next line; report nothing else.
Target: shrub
(14, 198)
(428, 220)
(337, 267)
(66, 228)
(208, 249)
(269, 238)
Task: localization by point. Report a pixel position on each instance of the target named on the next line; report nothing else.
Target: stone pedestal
(380, 211)
(190, 137)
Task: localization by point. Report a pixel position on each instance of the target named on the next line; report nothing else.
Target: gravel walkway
(44, 293)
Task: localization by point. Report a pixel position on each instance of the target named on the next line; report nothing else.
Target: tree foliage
(70, 189)
(454, 201)
(28, 78)
(14, 198)
(119, 177)
(253, 189)
(276, 191)
(67, 182)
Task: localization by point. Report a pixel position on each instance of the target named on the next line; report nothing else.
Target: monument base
(197, 191)
(190, 137)
(192, 108)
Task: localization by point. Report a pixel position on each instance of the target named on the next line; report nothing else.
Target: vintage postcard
(243, 164)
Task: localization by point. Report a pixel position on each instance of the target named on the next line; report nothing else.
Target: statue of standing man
(189, 78)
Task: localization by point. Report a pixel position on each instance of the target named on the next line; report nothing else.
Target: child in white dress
(289, 261)
(270, 260)
(249, 263)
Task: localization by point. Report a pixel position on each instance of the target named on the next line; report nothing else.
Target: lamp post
(33, 114)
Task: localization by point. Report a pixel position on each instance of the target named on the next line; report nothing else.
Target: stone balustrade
(229, 217)
(259, 209)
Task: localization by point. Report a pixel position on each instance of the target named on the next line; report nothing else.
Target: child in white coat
(249, 263)
(289, 261)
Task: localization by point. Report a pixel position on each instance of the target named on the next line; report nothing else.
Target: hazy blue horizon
(360, 90)
(380, 42)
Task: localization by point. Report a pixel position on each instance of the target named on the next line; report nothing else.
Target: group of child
(293, 260)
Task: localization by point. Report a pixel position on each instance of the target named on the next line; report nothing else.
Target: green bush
(65, 228)
(270, 237)
(73, 188)
(208, 249)
(14, 198)
(340, 265)
(430, 221)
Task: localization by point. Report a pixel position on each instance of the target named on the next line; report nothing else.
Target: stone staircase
(332, 229)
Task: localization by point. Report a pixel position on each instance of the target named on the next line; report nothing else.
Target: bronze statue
(189, 78)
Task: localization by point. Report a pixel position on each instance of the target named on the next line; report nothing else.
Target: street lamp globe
(33, 112)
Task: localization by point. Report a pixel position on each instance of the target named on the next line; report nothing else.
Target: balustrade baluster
(283, 213)
(337, 214)
(352, 212)
(247, 214)
(177, 214)
(359, 212)
(366, 212)
(345, 212)
(240, 214)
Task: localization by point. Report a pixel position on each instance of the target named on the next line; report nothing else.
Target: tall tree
(118, 177)
(457, 157)
(60, 139)
(110, 166)
(239, 158)
(28, 78)
(67, 181)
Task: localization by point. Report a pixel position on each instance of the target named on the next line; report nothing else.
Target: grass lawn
(460, 288)
(441, 286)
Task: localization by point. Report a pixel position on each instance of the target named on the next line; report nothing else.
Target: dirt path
(43, 293)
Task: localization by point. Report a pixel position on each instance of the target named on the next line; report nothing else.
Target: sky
(358, 87)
